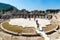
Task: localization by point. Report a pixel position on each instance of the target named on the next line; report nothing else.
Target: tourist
(38, 26)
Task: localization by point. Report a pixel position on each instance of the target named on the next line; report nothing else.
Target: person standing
(38, 26)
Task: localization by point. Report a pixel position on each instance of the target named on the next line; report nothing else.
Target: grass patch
(13, 28)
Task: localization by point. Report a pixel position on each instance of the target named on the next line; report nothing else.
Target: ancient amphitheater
(14, 32)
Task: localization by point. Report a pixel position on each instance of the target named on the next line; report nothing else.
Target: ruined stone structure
(28, 14)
